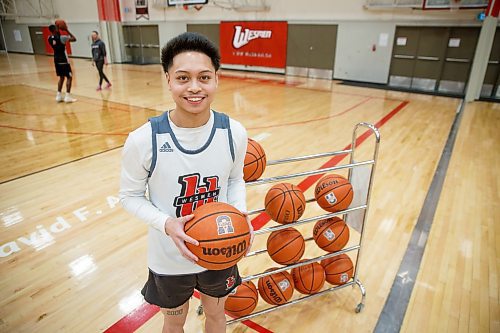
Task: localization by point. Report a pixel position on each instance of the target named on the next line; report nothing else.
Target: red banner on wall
(254, 43)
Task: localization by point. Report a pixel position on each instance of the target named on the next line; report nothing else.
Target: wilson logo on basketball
(193, 194)
(272, 293)
(228, 251)
(325, 185)
(224, 225)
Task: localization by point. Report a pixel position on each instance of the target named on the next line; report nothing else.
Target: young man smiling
(187, 151)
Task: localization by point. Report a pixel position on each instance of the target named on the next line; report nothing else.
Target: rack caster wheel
(359, 308)
(199, 311)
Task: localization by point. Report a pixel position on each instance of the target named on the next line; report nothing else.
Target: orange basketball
(333, 193)
(223, 234)
(285, 203)
(285, 246)
(242, 300)
(255, 161)
(308, 279)
(61, 24)
(276, 288)
(338, 269)
(331, 234)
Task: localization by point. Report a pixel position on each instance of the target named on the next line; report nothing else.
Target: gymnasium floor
(72, 260)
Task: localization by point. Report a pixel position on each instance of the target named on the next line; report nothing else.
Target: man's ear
(216, 79)
(168, 77)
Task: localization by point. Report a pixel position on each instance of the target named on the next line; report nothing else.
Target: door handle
(428, 58)
(403, 56)
(457, 60)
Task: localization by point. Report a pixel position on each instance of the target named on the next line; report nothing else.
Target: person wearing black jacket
(99, 58)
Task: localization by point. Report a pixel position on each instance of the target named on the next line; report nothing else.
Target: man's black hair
(95, 32)
(189, 41)
(52, 28)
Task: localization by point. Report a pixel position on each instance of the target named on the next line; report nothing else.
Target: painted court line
(302, 122)
(145, 311)
(396, 304)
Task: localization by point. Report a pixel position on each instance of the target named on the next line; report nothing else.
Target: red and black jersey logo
(193, 194)
(230, 282)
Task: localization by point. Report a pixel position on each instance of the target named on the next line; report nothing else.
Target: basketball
(338, 269)
(223, 234)
(308, 279)
(276, 289)
(333, 193)
(242, 300)
(61, 24)
(331, 234)
(255, 161)
(286, 246)
(285, 203)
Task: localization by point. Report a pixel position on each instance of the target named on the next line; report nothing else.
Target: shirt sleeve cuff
(159, 222)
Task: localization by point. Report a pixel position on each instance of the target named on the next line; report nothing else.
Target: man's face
(94, 36)
(193, 81)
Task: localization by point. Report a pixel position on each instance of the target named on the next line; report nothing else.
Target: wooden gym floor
(72, 260)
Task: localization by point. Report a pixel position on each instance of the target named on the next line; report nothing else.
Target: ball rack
(363, 208)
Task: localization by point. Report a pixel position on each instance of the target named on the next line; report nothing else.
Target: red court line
(145, 311)
(260, 220)
(314, 119)
(124, 134)
(61, 132)
(134, 319)
(96, 101)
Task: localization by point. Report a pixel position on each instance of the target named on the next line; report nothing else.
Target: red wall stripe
(109, 10)
(493, 8)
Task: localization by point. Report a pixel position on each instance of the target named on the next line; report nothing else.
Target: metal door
(404, 54)
(460, 51)
(211, 31)
(150, 44)
(37, 40)
(430, 58)
(142, 44)
(491, 83)
(311, 50)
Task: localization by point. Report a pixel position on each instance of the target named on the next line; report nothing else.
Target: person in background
(99, 58)
(63, 68)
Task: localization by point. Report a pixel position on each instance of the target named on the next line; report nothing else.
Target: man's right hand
(174, 227)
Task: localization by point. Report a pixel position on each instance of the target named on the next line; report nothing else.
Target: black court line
(58, 165)
(393, 313)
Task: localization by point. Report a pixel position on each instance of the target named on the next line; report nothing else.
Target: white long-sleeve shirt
(181, 168)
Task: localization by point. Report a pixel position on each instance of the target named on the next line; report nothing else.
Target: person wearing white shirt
(186, 157)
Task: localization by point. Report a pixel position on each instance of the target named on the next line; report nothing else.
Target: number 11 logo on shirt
(193, 194)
